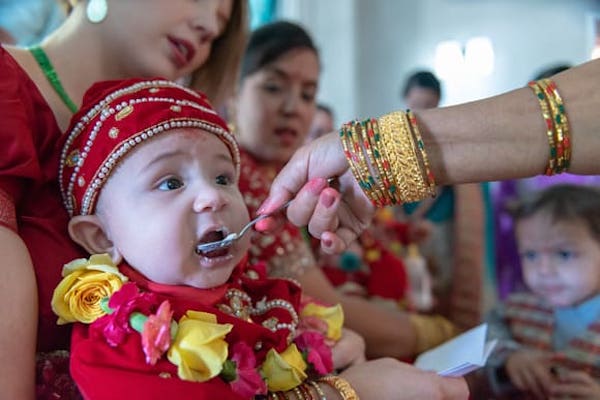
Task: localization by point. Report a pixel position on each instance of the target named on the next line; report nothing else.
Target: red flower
(115, 326)
(156, 336)
(318, 353)
(248, 382)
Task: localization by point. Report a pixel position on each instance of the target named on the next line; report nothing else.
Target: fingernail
(262, 226)
(327, 199)
(264, 206)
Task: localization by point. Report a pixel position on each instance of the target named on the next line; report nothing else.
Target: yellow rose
(284, 371)
(85, 283)
(333, 316)
(199, 349)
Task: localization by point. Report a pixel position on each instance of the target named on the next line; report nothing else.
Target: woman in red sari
(273, 114)
(39, 91)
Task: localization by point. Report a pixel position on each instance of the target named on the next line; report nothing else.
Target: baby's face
(560, 259)
(167, 196)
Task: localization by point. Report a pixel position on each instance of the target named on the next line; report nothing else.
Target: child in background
(148, 172)
(550, 340)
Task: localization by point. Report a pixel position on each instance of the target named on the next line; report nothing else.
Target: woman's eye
(272, 87)
(170, 184)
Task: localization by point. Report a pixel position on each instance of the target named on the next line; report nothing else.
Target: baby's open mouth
(209, 237)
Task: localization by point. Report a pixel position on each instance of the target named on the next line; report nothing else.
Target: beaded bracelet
(388, 159)
(318, 389)
(341, 385)
(551, 166)
(559, 116)
(557, 125)
(421, 146)
(351, 138)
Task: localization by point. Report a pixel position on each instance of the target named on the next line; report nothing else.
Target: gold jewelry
(561, 124)
(318, 389)
(341, 385)
(421, 146)
(557, 125)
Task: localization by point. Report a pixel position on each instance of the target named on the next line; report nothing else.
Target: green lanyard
(42, 59)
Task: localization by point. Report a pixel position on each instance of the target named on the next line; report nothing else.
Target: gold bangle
(412, 119)
(354, 151)
(561, 124)
(318, 389)
(402, 153)
(550, 132)
(341, 385)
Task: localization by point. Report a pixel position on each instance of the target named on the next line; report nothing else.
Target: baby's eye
(170, 184)
(565, 255)
(529, 255)
(223, 180)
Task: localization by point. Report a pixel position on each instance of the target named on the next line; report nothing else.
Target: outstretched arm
(501, 137)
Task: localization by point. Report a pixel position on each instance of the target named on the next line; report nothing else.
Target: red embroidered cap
(115, 117)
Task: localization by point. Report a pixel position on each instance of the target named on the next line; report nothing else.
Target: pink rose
(156, 334)
(318, 353)
(248, 382)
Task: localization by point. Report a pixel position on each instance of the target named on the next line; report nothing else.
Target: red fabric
(387, 278)
(285, 252)
(28, 175)
(114, 117)
(104, 372)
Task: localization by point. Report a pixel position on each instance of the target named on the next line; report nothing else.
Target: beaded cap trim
(133, 111)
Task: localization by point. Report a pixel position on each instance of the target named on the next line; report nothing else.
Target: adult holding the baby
(40, 89)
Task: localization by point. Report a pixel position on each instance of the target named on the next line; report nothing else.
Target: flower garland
(94, 292)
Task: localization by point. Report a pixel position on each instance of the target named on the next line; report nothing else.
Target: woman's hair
(564, 203)
(422, 79)
(217, 77)
(270, 42)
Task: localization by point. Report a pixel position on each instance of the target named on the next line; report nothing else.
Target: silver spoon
(232, 237)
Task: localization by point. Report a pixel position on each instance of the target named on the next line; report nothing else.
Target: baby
(148, 173)
(550, 335)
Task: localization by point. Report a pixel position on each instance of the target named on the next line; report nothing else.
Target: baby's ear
(89, 232)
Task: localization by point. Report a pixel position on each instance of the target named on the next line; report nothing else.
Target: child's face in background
(560, 259)
(275, 106)
(167, 196)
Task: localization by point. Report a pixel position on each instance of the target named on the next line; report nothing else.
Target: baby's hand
(530, 372)
(349, 350)
(575, 385)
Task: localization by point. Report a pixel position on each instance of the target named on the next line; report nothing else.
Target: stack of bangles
(310, 390)
(388, 159)
(557, 125)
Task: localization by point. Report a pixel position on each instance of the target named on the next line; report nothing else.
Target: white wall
(368, 47)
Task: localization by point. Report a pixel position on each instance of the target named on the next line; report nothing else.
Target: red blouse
(121, 372)
(30, 201)
(287, 254)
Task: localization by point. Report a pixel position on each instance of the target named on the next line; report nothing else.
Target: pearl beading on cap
(105, 112)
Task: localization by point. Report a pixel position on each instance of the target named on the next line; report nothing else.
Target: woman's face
(276, 104)
(159, 38)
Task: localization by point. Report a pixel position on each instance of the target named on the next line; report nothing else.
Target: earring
(96, 11)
